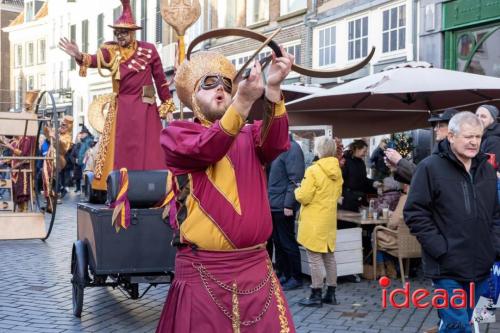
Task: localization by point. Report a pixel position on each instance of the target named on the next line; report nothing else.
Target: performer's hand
(169, 117)
(278, 71)
(70, 48)
(288, 211)
(249, 90)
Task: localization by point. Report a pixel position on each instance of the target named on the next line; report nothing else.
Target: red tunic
(136, 141)
(226, 218)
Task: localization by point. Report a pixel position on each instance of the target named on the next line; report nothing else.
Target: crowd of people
(222, 219)
(450, 202)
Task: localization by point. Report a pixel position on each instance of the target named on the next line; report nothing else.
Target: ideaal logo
(439, 298)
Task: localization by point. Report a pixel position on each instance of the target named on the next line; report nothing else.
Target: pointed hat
(126, 20)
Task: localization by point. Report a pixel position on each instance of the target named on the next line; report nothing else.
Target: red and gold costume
(65, 144)
(132, 127)
(21, 171)
(224, 281)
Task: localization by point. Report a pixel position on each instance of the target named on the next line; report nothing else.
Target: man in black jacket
(286, 172)
(404, 169)
(490, 144)
(453, 210)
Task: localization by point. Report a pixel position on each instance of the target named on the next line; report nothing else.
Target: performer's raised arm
(85, 60)
(271, 134)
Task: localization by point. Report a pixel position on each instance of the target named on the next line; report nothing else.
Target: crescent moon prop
(239, 32)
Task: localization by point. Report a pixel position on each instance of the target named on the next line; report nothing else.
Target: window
(41, 82)
(257, 11)
(19, 91)
(289, 6)
(357, 38)
(30, 11)
(295, 51)
(228, 12)
(30, 83)
(116, 13)
(327, 43)
(394, 29)
(239, 60)
(41, 51)
(61, 76)
(53, 39)
(100, 29)
(72, 37)
(196, 29)
(19, 55)
(144, 20)
(30, 54)
(159, 23)
(132, 4)
(85, 36)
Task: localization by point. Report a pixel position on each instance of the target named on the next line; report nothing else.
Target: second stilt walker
(132, 126)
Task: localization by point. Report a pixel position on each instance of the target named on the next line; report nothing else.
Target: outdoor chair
(408, 247)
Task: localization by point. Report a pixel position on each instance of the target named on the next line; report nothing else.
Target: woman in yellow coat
(318, 194)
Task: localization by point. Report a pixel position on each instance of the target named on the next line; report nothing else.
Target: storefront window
(478, 51)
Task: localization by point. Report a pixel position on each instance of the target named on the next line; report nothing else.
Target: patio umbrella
(290, 93)
(399, 98)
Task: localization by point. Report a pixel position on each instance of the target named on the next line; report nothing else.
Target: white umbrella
(398, 98)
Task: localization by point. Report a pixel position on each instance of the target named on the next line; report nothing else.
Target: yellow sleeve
(231, 122)
(280, 108)
(305, 193)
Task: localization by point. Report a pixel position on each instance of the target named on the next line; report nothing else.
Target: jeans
(457, 320)
(287, 253)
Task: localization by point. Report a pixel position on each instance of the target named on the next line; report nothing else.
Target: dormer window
(30, 11)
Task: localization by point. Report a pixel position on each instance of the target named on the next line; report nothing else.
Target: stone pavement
(35, 296)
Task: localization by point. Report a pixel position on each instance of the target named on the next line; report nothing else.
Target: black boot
(314, 300)
(330, 296)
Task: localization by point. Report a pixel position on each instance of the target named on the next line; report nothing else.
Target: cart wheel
(134, 291)
(77, 298)
(79, 270)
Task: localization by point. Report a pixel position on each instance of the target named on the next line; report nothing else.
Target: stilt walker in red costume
(130, 135)
(224, 280)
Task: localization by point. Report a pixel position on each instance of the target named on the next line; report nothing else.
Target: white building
(86, 23)
(28, 51)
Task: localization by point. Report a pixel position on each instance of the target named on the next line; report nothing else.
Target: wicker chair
(408, 247)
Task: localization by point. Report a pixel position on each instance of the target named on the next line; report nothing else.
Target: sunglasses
(119, 33)
(212, 81)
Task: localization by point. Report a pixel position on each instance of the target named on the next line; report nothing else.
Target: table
(353, 217)
(346, 219)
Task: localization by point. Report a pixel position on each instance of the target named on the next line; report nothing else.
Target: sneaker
(292, 284)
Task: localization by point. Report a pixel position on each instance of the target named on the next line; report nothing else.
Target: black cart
(102, 257)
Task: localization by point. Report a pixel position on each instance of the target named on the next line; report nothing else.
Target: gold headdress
(191, 71)
(30, 99)
(68, 121)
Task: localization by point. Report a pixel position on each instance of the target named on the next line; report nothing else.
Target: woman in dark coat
(356, 184)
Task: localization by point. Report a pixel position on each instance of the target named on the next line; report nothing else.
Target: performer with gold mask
(65, 144)
(224, 280)
(130, 136)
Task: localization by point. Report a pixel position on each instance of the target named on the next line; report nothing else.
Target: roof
(42, 12)
(18, 20)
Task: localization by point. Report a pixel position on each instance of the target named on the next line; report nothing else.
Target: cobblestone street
(35, 296)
